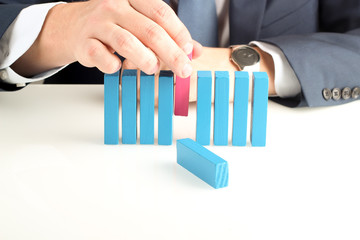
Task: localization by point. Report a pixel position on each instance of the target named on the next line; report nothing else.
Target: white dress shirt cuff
(18, 38)
(286, 83)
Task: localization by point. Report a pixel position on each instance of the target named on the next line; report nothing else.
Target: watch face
(245, 56)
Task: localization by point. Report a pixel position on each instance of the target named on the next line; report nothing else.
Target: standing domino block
(241, 102)
(128, 103)
(147, 88)
(111, 108)
(203, 108)
(221, 113)
(259, 109)
(202, 163)
(182, 90)
(165, 109)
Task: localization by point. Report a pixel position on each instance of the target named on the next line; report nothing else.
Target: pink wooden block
(182, 90)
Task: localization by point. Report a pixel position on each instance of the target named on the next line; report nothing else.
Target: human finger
(96, 54)
(162, 14)
(197, 50)
(128, 46)
(157, 39)
(127, 64)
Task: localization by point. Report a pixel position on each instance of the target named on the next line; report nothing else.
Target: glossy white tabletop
(59, 181)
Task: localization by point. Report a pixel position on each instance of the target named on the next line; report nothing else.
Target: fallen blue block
(202, 163)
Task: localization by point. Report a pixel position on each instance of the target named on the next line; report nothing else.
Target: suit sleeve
(18, 38)
(326, 59)
(8, 13)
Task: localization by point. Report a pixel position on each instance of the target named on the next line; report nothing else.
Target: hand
(197, 51)
(143, 31)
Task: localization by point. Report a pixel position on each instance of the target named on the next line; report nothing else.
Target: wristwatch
(244, 56)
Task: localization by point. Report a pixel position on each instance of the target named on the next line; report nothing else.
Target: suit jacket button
(346, 93)
(327, 94)
(336, 94)
(355, 93)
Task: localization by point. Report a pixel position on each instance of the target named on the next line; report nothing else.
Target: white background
(59, 181)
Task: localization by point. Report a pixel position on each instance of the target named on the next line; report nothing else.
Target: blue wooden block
(241, 102)
(202, 163)
(259, 109)
(221, 112)
(203, 108)
(165, 108)
(147, 88)
(128, 105)
(111, 108)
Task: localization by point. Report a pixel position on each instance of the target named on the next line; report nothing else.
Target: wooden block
(221, 112)
(203, 107)
(241, 102)
(259, 109)
(182, 90)
(165, 108)
(202, 163)
(128, 105)
(147, 88)
(111, 108)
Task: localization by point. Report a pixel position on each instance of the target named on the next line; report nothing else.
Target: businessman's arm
(8, 13)
(90, 32)
(327, 59)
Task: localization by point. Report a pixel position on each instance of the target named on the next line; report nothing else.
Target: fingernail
(116, 66)
(187, 70)
(188, 48)
(156, 68)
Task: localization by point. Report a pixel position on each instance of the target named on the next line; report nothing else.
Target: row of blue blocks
(221, 108)
(129, 108)
(165, 108)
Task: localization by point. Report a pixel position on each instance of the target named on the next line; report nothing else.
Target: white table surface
(59, 181)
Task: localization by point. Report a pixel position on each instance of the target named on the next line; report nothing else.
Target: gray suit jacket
(320, 38)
